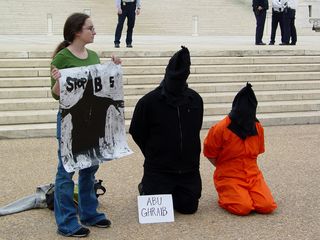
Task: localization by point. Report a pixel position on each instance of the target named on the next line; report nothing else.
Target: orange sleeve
(213, 141)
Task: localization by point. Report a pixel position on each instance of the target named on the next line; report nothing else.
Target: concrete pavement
(290, 166)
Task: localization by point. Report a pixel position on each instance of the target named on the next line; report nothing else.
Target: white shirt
(279, 4)
(293, 4)
(118, 3)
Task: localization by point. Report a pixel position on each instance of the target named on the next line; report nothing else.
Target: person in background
(232, 146)
(166, 126)
(292, 6)
(78, 32)
(289, 16)
(260, 8)
(278, 7)
(126, 9)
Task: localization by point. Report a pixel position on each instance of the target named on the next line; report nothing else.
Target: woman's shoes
(82, 232)
(104, 223)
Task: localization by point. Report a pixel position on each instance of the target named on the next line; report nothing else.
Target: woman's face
(88, 32)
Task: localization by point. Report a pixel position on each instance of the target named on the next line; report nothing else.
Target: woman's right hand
(56, 75)
(116, 60)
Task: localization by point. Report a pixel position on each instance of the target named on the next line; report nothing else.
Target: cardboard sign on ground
(155, 208)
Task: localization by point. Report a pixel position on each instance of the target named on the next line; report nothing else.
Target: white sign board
(92, 116)
(155, 208)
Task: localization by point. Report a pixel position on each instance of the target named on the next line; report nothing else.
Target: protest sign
(155, 208)
(92, 116)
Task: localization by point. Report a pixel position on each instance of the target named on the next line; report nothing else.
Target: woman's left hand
(116, 60)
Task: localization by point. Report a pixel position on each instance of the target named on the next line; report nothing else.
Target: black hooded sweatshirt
(167, 121)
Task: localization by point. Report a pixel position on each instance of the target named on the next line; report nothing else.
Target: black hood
(177, 72)
(243, 113)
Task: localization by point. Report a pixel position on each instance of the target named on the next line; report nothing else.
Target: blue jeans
(64, 207)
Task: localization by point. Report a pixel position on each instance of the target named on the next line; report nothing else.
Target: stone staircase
(286, 82)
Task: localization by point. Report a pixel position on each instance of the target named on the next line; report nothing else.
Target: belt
(128, 1)
(278, 9)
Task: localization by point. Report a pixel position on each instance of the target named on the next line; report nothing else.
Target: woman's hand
(56, 75)
(116, 60)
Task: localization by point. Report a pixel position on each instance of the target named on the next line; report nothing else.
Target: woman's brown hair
(73, 24)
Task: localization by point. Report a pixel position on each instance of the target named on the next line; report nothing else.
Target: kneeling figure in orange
(232, 146)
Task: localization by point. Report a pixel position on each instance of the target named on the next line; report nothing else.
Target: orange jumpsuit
(238, 180)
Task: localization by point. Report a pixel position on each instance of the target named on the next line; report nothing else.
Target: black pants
(260, 19)
(185, 188)
(286, 26)
(129, 12)
(276, 20)
(293, 32)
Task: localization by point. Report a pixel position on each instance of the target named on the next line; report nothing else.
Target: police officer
(292, 6)
(260, 8)
(289, 16)
(126, 9)
(277, 18)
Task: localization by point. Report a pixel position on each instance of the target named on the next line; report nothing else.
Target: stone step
(208, 97)
(49, 116)
(14, 104)
(30, 92)
(195, 69)
(24, 63)
(144, 88)
(273, 119)
(163, 61)
(124, 53)
(22, 104)
(225, 97)
(227, 77)
(230, 86)
(28, 130)
(24, 82)
(268, 119)
(211, 109)
(28, 117)
(156, 79)
(139, 90)
(222, 60)
(205, 69)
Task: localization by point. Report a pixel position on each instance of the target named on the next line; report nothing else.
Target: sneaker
(116, 45)
(271, 43)
(104, 223)
(129, 46)
(283, 44)
(82, 232)
(260, 43)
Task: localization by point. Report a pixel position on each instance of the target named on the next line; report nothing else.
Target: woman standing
(78, 32)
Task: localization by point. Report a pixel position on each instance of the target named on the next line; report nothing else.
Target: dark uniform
(292, 5)
(278, 7)
(260, 18)
(289, 16)
(128, 8)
